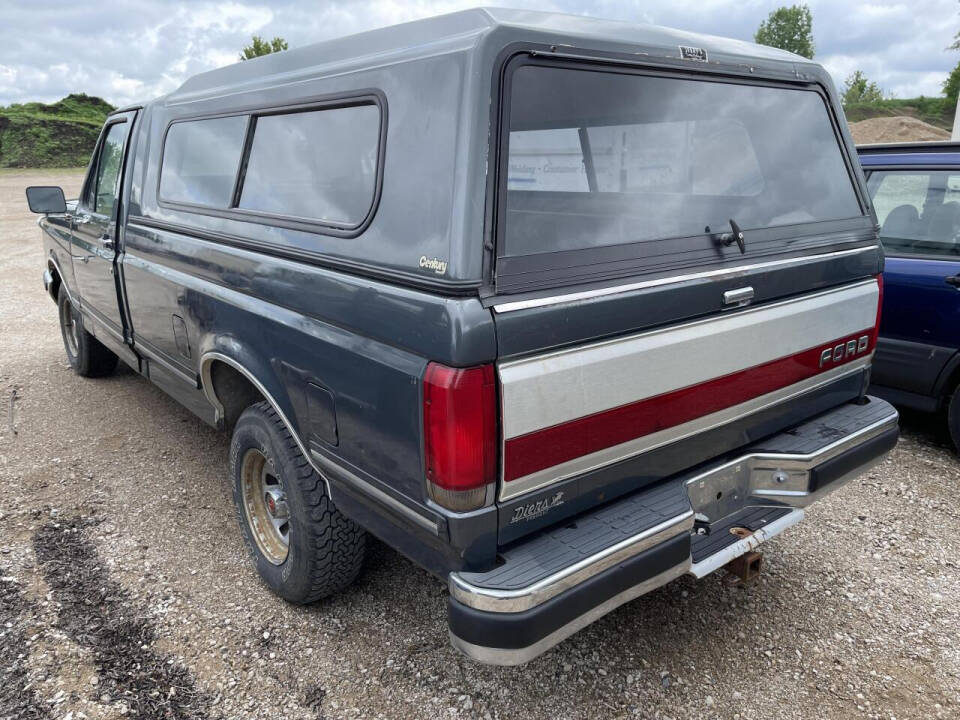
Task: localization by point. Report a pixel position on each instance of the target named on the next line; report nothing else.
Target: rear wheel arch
(230, 389)
(232, 386)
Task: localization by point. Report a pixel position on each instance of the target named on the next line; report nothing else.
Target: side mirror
(46, 200)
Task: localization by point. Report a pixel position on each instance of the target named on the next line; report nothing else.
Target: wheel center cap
(276, 503)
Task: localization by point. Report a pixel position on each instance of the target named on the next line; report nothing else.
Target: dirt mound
(895, 129)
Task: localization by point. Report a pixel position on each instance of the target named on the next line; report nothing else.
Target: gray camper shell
(436, 82)
(559, 308)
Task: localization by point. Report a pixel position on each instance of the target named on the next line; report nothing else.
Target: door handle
(953, 280)
(108, 243)
(81, 219)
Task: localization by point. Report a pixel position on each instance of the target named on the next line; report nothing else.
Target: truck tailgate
(571, 411)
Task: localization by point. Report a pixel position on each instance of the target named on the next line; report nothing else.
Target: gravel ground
(125, 590)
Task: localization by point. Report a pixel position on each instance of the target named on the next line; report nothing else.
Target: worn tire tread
(338, 544)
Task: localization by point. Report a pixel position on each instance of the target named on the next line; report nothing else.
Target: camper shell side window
(315, 167)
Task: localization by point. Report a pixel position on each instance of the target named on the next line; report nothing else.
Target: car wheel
(301, 545)
(953, 418)
(86, 355)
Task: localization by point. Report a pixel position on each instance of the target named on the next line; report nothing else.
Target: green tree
(858, 90)
(788, 28)
(259, 47)
(951, 86)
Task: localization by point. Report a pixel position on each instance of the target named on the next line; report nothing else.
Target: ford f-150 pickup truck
(560, 308)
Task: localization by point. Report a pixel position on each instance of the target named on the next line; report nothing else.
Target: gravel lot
(125, 590)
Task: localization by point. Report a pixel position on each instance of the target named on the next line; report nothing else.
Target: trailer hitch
(745, 568)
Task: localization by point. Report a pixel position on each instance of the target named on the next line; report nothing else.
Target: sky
(133, 50)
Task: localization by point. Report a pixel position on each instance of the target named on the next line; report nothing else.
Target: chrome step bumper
(556, 583)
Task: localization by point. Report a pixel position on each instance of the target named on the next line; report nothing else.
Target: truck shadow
(928, 428)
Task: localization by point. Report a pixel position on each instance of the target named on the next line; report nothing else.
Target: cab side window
(918, 211)
(103, 197)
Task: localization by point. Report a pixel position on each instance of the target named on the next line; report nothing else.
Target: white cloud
(136, 49)
(126, 86)
(224, 17)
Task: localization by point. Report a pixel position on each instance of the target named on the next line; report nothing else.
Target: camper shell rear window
(608, 170)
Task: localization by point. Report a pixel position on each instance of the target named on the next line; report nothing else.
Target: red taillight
(460, 434)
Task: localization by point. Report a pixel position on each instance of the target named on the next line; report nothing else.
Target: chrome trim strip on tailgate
(721, 273)
(646, 443)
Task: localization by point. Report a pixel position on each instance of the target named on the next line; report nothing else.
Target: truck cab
(560, 308)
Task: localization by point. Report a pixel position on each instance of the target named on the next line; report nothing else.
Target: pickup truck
(561, 309)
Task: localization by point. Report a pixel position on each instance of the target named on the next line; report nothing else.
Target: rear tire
(953, 418)
(302, 546)
(86, 355)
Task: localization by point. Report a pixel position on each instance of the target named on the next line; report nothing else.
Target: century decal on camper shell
(436, 264)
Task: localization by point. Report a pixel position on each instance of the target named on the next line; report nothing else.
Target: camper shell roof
(419, 39)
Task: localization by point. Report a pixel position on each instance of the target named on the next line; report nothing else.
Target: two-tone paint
(572, 411)
(336, 332)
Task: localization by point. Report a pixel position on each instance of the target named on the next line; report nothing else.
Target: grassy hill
(61, 134)
(937, 111)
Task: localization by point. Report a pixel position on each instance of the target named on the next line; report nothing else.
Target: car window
(637, 158)
(105, 186)
(316, 165)
(200, 160)
(601, 159)
(918, 211)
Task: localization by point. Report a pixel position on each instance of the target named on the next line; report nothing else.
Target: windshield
(599, 159)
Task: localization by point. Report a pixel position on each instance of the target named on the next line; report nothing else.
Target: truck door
(95, 228)
(919, 216)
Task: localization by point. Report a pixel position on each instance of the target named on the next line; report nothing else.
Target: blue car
(915, 189)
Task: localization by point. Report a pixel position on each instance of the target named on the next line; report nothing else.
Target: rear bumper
(556, 583)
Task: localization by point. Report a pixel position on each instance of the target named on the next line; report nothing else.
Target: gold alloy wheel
(265, 506)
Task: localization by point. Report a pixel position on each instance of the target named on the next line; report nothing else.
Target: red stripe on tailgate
(551, 446)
